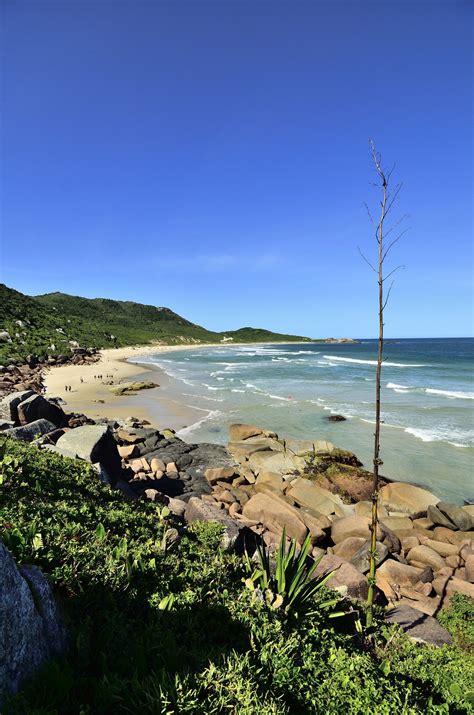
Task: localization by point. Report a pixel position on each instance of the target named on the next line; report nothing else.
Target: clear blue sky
(212, 157)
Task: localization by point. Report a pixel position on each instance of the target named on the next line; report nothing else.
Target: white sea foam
(371, 362)
(204, 397)
(211, 387)
(451, 394)
(186, 431)
(423, 434)
(447, 393)
(442, 435)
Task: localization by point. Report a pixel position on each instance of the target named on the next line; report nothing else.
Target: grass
(55, 319)
(211, 647)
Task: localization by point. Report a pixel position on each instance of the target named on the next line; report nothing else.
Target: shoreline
(160, 406)
(91, 395)
(406, 458)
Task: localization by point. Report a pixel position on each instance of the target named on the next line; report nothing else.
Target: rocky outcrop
(36, 407)
(9, 404)
(419, 627)
(275, 514)
(262, 484)
(95, 444)
(406, 498)
(346, 579)
(31, 432)
(239, 432)
(31, 631)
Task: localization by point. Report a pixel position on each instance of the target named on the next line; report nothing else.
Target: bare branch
(390, 246)
(398, 188)
(388, 296)
(391, 170)
(401, 267)
(366, 260)
(397, 223)
(370, 215)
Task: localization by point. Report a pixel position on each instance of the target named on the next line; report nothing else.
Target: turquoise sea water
(427, 400)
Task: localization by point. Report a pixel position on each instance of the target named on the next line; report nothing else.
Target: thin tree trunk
(378, 375)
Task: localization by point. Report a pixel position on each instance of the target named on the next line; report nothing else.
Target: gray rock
(197, 510)
(437, 517)
(95, 444)
(9, 404)
(418, 626)
(361, 559)
(31, 630)
(36, 407)
(346, 579)
(460, 518)
(27, 433)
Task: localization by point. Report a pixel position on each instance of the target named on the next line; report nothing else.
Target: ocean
(427, 400)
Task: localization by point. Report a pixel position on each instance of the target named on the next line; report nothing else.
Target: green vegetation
(291, 587)
(56, 319)
(161, 621)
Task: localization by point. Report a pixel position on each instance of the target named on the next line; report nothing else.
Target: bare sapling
(387, 201)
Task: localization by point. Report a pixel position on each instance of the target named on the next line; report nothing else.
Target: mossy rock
(353, 484)
(129, 388)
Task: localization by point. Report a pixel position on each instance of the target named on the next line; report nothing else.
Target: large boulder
(346, 579)
(419, 627)
(31, 631)
(392, 575)
(238, 432)
(406, 498)
(279, 462)
(424, 555)
(346, 548)
(447, 586)
(36, 407)
(198, 510)
(274, 513)
(303, 446)
(352, 526)
(217, 474)
(321, 501)
(361, 559)
(459, 516)
(28, 433)
(439, 518)
(9, 404)
(95, 444)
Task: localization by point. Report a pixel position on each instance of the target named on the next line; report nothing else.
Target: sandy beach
(92, 395)
(162, 406)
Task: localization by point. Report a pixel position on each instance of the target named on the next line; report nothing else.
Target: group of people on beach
(68, 388)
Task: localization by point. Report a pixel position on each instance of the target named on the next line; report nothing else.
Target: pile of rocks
(425, 547)
(29, 375)
(28, 416)
(260, 485)
(21, 377)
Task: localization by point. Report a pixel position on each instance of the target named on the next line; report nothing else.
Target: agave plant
(292, 586)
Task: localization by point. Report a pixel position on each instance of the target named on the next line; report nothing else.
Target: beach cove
(203, 389)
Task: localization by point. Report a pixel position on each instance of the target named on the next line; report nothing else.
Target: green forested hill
(49, 322)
